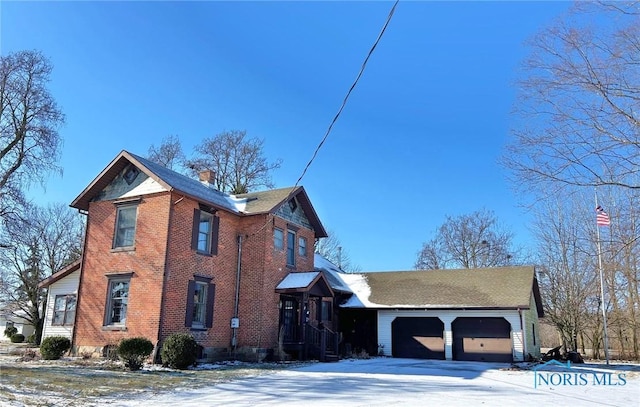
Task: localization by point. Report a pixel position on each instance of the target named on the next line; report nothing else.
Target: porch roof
(313, 282)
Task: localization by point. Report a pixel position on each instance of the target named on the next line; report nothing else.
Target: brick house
(164, 253)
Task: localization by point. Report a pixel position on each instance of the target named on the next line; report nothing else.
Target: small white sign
(235, 322)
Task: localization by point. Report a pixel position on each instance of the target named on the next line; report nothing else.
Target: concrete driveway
(409, 382)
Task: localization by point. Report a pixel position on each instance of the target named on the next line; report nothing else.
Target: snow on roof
(297, 280)
(331, 272)
(361, 292)
(193, 187)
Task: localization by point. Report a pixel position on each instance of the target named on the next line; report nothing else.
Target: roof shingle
(499, 287)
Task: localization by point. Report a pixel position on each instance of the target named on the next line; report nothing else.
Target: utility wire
(335, 118)
(344, 102)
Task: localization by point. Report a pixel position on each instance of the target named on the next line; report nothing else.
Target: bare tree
(34, 247)
(29, 122)
(567, 271)
(238, 162)
(331, 249)
(579, 102)
(169, 154)
(468, 241)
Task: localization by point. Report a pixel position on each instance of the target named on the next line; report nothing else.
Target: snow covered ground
(410, 382)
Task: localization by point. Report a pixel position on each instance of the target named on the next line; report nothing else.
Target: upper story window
(117, 301)
(125, 226)
(206, 227)
(291, 248)
(64, 310)
(204, 232)
(302, 246)
(278, 239)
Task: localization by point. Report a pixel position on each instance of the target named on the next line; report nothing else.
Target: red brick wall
(146, 262)
(263, 268)
(184, 263)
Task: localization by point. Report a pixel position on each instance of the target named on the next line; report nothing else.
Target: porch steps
(330, 357)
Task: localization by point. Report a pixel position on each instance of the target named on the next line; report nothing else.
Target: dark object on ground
(574, 357)
(552, 354)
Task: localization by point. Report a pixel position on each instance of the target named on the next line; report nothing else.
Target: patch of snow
(332, 272)
(361, 291)
(297, 280)
(239, 203)
(386, 381)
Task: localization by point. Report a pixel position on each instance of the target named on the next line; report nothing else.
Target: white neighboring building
(62, 297)
(10, 317)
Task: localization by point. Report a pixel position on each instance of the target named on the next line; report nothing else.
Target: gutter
(165, 277)
(235, 322)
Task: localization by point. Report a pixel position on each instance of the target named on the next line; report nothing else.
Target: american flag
(602, 218)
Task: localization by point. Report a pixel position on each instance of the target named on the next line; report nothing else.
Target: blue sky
(418, 140)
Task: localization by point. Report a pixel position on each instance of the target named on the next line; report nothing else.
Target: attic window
(130, 174)
(293, 205)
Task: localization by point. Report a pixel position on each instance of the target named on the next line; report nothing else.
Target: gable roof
(487, 288)
(245, 204)
(270, 201)
(60, 274)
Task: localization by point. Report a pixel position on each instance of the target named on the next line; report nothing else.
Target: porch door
(289, 319)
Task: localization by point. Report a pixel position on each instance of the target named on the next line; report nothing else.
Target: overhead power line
(335, 118)
(344, 102)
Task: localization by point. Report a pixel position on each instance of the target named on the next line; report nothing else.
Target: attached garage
(417, 337)
(488, 314)
(482, 339)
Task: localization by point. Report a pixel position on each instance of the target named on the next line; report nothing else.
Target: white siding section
(148, 186)
(532, 330)
(64, 286)
(22, 325)
(386, 317)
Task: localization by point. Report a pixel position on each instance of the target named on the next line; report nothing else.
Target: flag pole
(602, 303)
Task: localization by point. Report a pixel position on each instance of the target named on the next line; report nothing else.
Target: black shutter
(215, 230)
(188, 317)
(194, 231)
(211, 293)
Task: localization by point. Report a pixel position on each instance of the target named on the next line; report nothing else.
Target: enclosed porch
(308, 321)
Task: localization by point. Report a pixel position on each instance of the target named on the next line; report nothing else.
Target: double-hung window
(199, 304)
(291, 248)
(117, 300)
(302, 246)
(278, 239)
(200, 297)
(64, 310)
(206, 227)
(204, 232)
(125, 226)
